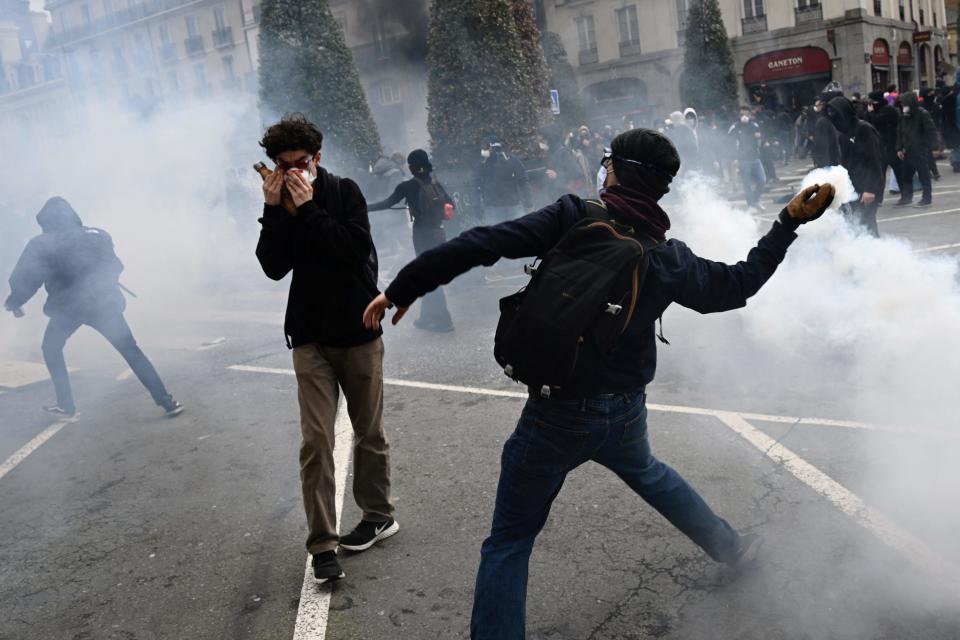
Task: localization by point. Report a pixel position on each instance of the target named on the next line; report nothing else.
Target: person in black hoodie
(427, 201)
(885, 118)
(81, 272)
(607, 422)
(826, 146)
(916, 137)
(861, 154)
(326, 244)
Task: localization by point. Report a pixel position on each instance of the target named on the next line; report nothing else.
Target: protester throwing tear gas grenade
(586, 365)
(429, 205)
(861, 153)
(324, 239)
(81, 272)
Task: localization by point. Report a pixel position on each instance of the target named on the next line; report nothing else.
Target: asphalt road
(125, 525)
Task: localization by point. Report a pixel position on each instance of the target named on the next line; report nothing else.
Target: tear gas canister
(287, 199)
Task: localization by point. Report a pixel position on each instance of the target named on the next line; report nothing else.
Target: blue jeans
(551, 439)
(754, 179)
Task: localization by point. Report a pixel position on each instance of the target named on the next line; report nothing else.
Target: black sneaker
(903, 203)
(172, 408)
(326, 567)
(924, 203)
(60, 411)
(747, 550)
(366, 534)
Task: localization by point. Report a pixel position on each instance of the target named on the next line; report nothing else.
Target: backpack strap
(597, 209)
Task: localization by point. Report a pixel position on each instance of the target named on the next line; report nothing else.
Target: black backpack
(580, 300)
(431, 203)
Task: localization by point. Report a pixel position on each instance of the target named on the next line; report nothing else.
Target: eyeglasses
(303, 164)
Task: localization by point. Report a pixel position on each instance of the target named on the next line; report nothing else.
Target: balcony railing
(589, 56)
(629, 49)
(116, 19)
(756, 24)
(223, 37)
(806, 15)
(194, 45)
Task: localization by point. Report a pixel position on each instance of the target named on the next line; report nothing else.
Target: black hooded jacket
(826, 147)
(860, 149)
(328, 247)
(76, 264)
(918, 134)
(886, 120)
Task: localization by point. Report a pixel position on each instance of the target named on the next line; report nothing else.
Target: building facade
(628, 54)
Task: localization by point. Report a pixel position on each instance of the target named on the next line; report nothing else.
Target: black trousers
(915, 162)
(891, 160)
(112, 326)
(433, 308)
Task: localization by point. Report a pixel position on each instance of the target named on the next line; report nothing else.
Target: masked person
(502, 183)
(826, 143)
(916, 138)
(326, 244)
(885, 118)
(604, 419)
(748, 138)
(81, 272)
(862, 156)
(427, 202)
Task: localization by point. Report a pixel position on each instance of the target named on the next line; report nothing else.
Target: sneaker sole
(175, 412)
(330, 579)
(386, 533)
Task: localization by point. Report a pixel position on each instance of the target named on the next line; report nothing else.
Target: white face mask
(601, 179)
(744, 119)
(906, 111)
(544, 146)
(484, 153)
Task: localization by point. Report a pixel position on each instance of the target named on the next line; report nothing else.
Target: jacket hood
(841, 114)
(57, 215)
(696, 119)
(910, 99)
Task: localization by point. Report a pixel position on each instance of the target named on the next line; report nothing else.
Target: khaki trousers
(321, 373)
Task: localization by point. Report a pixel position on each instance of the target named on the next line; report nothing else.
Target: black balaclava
(58, 215)
(659, 158)
(842, 115)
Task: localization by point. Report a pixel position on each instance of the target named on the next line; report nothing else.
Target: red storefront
(796, 75)
(880, 64)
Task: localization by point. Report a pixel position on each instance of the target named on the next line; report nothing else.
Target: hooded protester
(916, 138)
(684, 139)
(826, 144)
(502, 183)
(427, 202)
(930, 100)
(862, 155)
(81, 272)
(951, 126)
(748, 138)
(885, 118)
(602, 415)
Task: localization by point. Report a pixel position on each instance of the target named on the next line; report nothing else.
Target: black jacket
(409, 192)
(748, 139)
(502, 181)
(918, 134)
(77, 264)
(860, 150)
(826, 145)
(675, 275)
(328, 247)
(886, 120)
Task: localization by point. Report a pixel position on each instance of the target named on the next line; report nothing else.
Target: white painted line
(941, 247)
(666, 408)
(212, 344)
(925, 214)
(10, 463)
(19, 373)
(871, 519)
(125, 375)
(314, 611)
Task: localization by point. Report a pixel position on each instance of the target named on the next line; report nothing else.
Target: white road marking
(925, 214)
(941, 247)
(19, 373)
(212, 344)
(314, 611)
(20, 455)
(868, 517)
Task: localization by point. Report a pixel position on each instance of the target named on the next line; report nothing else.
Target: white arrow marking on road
(10, 463)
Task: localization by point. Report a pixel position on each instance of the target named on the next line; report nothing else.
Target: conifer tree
(710, 80)
(306, 66)
(480, 80)
(563, 79)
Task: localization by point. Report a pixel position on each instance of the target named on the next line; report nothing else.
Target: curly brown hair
(292, 133)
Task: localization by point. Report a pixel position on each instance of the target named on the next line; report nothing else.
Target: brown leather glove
(807, 205)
